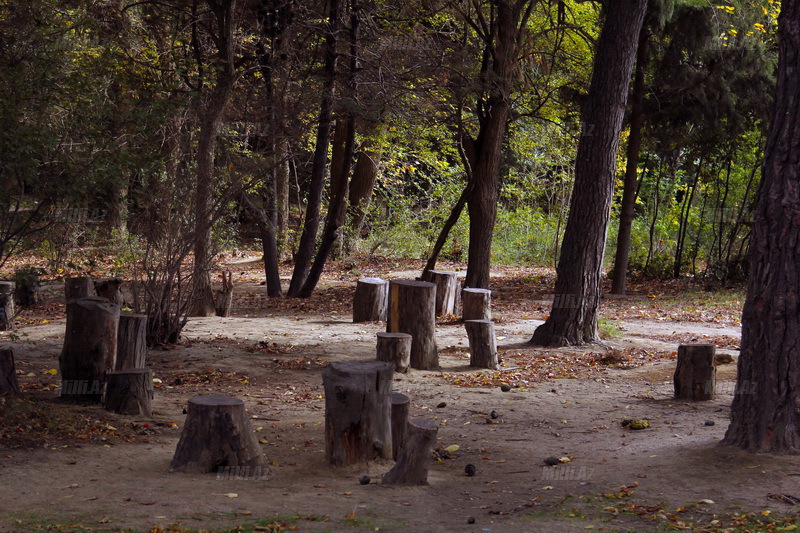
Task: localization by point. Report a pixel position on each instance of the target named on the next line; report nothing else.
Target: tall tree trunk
(308, 239)
(764, 413)
(573, 319)
(626, 211)
(683, 222)
(210, 120)
(282, 194)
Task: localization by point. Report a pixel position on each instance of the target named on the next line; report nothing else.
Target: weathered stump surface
(130, 392)
(412, 310)
(357, 411)
(8, 372)
(109, 289)
(446, 290)
(482, 343)
(224, 300)
(131, 341)
(216, 434)
(696, 372)
(370, 300)
(414, 457)
(78, 287)
(90, 348)
(476, 304)
(395, 348)
(6, 305)
(400, 407)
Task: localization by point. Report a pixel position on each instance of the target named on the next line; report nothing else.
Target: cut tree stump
(696, 372)
(370, 300)
(8, 372)
(395, 348)
(357, 411)
(130, 392)
(6, 305)
(412, 310)
(90, 348)
(414, 457)
(476, 304)
(78, 287)
(131, 341)
(400, 406)
(109, 289)
(446, 290)
(216, 434)
(482, 344)
(225, 296)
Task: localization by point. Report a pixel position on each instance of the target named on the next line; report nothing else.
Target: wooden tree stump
(370, 300)
(395, 348)
(696, 372)
(6, 305)
(131, 341)
(90, 347)
(415, 455)
(482, 343)
(130, 392)
(400, 406)
(217, 433)
(412, 310)
(357, 411)
(446, 290)
(8, 372)
(109, 289)
(476, 304)
(78, 287)
(225, 297)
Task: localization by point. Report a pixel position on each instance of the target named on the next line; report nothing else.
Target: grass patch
(608, 329)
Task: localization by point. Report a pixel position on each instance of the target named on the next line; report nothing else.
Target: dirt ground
(564, 403)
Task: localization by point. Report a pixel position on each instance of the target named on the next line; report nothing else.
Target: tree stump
(131, 341)
(476, 304)
(446, 290)
(415, 455)
(412, 310)
(482, 343)
(400, 406)
(78, 287)
(6, 305)
(8, 372)
(130, 392)
(370, 300)
(357, 411)
(395, 348)
(225, 297)
(696, 372)
(216, 433)
(90, 347)
(109, 289)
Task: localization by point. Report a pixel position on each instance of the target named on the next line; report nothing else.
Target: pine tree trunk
(764, 413)
(573, 319)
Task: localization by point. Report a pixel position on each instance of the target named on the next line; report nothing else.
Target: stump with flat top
(400, 406)
(8, 372)
(414, 457)
(370, 300)
(476, 304)
(6, 305)
(90, 348)
(78, 287)
(446, 290)
(224, 300)
(357, 411)
(130, 392)
(131, 341)
(482, 344)
(412, 310)
(217, 433)
(395, 348)
(109, 289)
(696, 372)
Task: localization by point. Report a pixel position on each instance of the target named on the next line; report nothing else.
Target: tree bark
(395, 348)
(400, 407)
(414, 458)
(130, 392)
(764, 412)
(446, 289)
(131, 341)
(476, 304)
(696, 372)
(412, 310)
(370, 300)
(580, 264)
(6, 305)
(225, 297)
(482, 344)
(78, 287)
(8, 372)
(109, 289)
